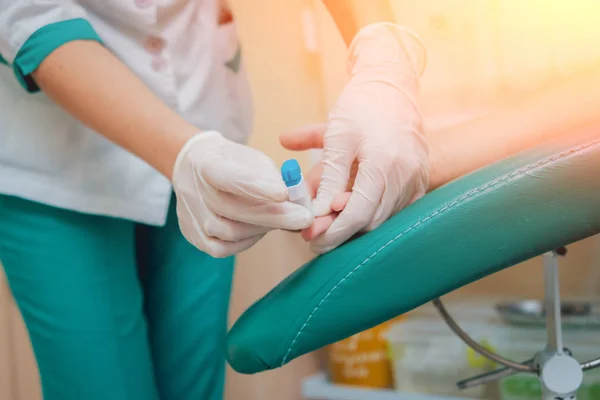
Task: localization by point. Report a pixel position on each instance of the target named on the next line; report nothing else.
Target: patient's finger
(313, 178)
(321, 224)
(339, 202)
(305, 138)
(357, 214)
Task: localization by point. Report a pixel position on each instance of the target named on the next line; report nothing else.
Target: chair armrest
(479, 224)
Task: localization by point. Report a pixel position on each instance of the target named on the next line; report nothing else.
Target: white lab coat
(176, 47)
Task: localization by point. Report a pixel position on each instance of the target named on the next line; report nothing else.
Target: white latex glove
(376, 123)
(230, 195)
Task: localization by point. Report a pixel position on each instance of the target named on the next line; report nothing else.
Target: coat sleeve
(30, 30)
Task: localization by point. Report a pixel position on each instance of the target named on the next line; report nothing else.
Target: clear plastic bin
(428, 358)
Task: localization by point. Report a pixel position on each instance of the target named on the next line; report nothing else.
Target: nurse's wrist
(389, 45)
(180, 136)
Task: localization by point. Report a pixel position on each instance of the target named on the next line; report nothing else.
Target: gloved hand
(375, 123)
(321, 224)
(230, 195)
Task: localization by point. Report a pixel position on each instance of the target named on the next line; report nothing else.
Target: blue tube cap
(291, 172)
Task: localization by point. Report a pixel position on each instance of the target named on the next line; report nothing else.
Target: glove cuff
(387, 43)
(200, 136)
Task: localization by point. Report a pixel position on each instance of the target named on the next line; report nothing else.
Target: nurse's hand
(321, 224)
(230, 195)
(376, 124)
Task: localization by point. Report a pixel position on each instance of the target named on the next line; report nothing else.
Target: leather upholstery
(472, 227)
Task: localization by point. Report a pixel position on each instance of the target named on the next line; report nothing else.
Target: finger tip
(284, 139)
(321, 208)
(278, 193)
(340, 201)
(306, 234)
(307, 220)
(337, 207)
(310, 224)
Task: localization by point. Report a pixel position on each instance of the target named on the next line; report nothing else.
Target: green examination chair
(522, 207)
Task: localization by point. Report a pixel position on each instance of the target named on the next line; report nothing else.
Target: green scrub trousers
(116, 310)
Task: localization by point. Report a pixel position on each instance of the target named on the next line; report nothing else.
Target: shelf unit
(318, 388)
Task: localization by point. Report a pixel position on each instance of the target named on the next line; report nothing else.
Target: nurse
(126, 187)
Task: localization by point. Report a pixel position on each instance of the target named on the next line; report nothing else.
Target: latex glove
(375, 123)
(230, 195)
(312, 138)
(321, 224)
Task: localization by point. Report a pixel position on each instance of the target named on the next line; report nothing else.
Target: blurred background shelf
(318, 388)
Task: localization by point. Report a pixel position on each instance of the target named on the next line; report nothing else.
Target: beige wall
(18, 370)
(286, 85)
(6, 354)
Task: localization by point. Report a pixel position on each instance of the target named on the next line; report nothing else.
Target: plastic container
(428, 358)
(362, 359)
(296, 186)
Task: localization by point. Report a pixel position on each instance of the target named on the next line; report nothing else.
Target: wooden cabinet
(26, 376)
(19, 378)
(6, 351)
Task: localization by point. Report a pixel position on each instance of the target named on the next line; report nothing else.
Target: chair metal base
(560, 374)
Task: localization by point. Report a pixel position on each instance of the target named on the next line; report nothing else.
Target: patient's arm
(321, 224)
(528, 122)
(311, 137)
(463, 148)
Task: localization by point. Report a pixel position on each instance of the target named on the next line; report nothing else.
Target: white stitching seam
(437, 212)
